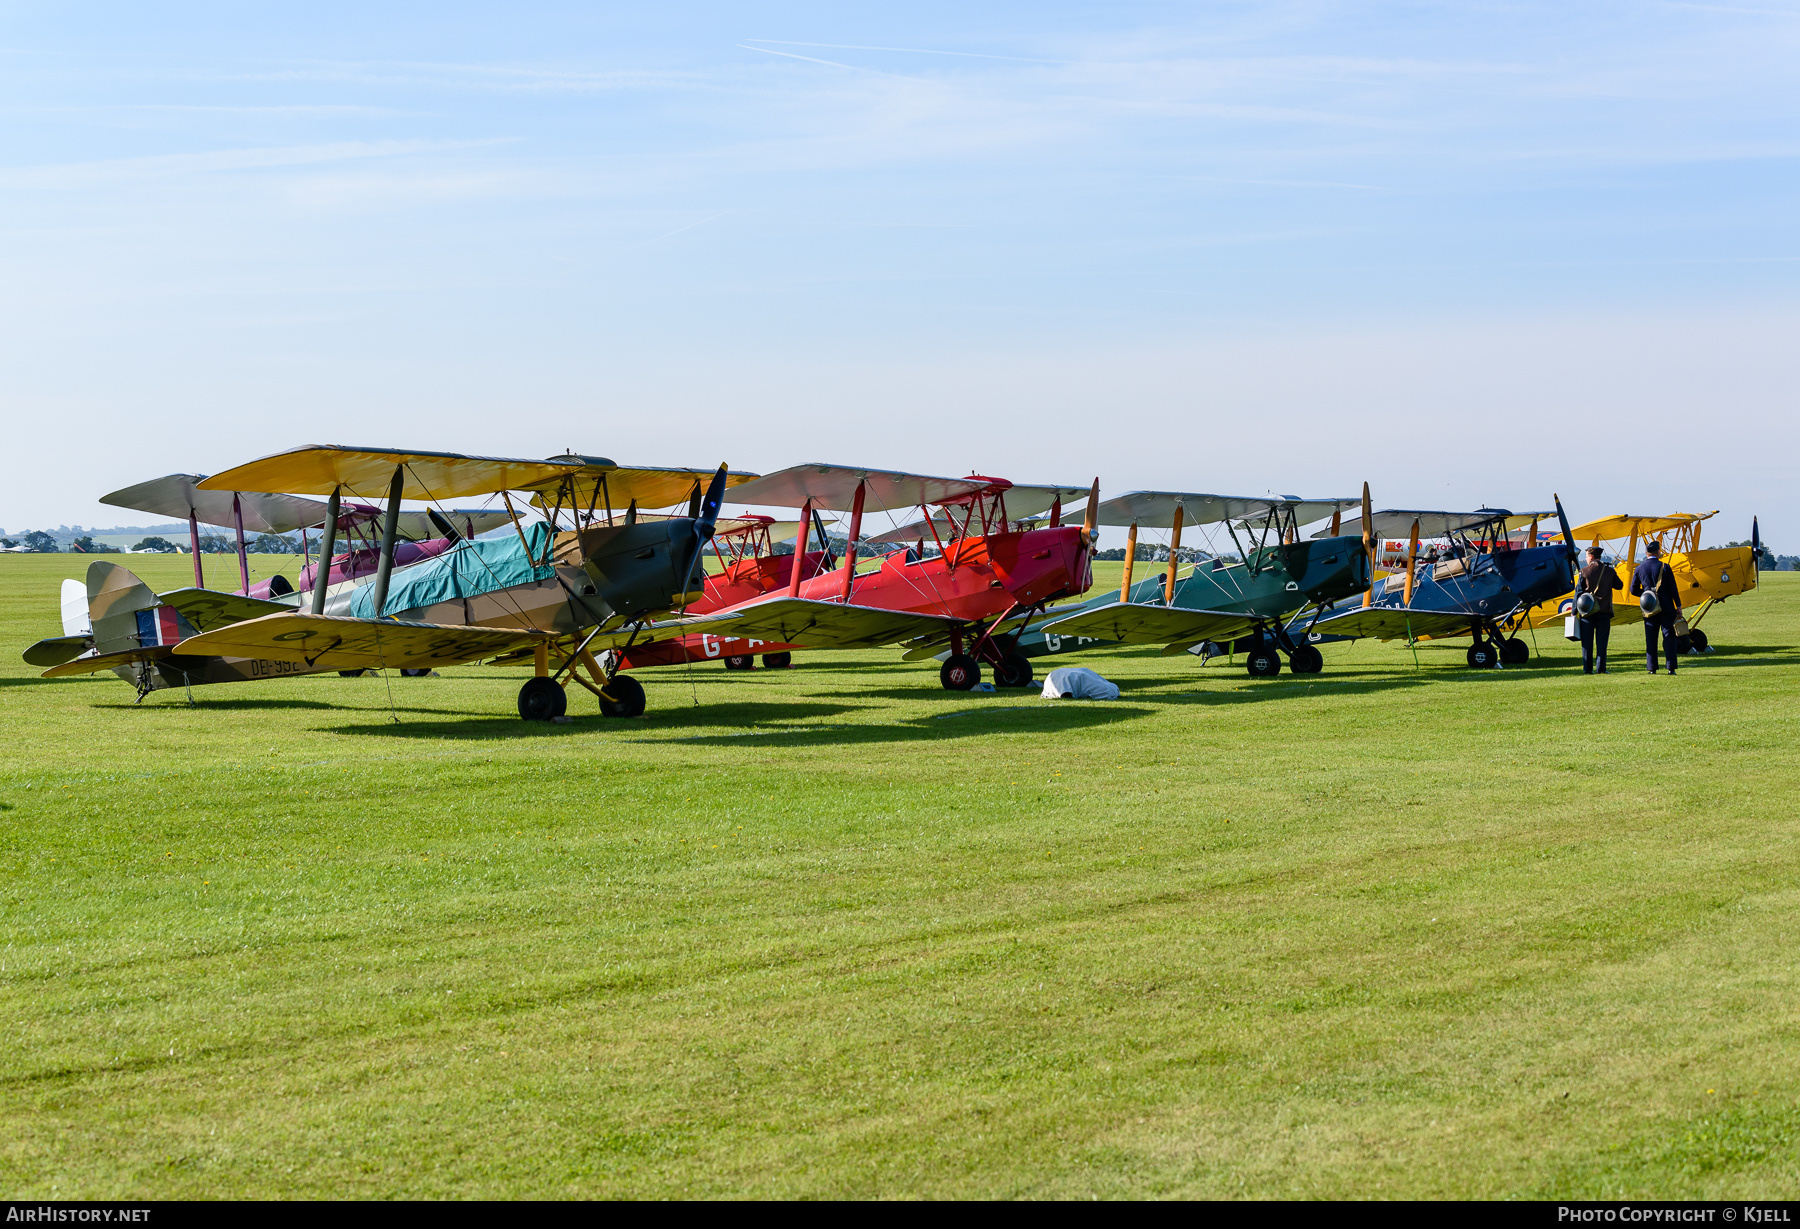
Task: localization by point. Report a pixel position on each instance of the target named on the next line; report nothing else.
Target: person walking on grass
(1653, 576)
(1597, 582)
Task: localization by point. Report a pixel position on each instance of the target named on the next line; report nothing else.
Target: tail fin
(115, 600)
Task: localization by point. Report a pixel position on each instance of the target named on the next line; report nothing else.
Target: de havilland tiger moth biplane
(1481, 588)
(1247, 601)
(168, 618)
(605, 576)
(989, 574)
(1704, 577)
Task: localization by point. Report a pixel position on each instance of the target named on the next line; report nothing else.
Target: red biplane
(987, 570)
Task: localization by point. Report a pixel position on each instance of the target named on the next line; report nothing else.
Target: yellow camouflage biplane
(1706, 577)
(585, 573)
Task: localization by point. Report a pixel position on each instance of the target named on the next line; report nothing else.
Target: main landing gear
(961, 672)
(1262, 656)
(771, 661)
(545, 698)
(1491, 651)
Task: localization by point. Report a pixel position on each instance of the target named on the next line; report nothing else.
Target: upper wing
(825, 625)
(1140, 623)
(1393, 623)
(208, 608)
(339, 643)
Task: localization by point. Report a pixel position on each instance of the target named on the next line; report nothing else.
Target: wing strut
(237, 520)
(384, 568)
(194, 545)
(1174, 545)
(856, 514)
(327, 544)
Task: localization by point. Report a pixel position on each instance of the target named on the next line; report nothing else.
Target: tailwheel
(627, 697)
(777, 661)
(1697, 640)
(542, 699)
(1483, 655)
(741, 661)
(1262, 661)
(1013, 670)
(1306, 660)
(959, 673)
(1514, 651)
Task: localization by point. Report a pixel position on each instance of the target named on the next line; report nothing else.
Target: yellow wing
(339, 643)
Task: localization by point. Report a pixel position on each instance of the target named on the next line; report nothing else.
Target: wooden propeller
(1412, 555)
(1368, 514)
(1090, 520)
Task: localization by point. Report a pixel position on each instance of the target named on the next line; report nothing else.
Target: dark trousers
(1663, 624)
(1595, 632)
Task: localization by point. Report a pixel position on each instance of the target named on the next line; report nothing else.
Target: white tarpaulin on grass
(1078, 683)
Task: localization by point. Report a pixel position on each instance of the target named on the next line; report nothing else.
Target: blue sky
(1469, 252)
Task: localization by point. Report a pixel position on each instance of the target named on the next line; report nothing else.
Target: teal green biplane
(1246, 602)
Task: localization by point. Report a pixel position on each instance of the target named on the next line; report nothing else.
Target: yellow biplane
(1706, 577)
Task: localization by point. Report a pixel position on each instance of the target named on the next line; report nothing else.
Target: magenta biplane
(978, 568)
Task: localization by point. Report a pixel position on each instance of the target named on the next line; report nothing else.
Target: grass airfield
(834, 932)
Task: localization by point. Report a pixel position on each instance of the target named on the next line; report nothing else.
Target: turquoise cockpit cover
(468, 569)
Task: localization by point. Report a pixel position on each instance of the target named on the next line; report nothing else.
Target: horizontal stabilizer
(338, 643)
(56, 651)
(106, 661)
(207, 609)
(1140, 623)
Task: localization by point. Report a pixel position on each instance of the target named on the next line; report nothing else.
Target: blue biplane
(1479, 585)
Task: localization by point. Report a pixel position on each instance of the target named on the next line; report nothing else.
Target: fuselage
(974, 580)
(1487, 587)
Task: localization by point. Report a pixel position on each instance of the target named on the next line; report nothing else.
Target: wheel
(1262, 661)
(416, 674)
(959, 673)
(542, 699)
(1013, 670)
(1514, 651)
(777, 661)
(1483, 656)
(350, 674)
(740, 661)
(1306, 660)
(1697, 638)
(627, 697)
(1683, 644)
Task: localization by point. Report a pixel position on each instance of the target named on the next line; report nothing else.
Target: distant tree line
(1149, 552)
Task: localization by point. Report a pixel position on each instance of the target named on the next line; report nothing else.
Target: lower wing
(824, 625)
(1394, 623)
(338, 643)
(1139, 623)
